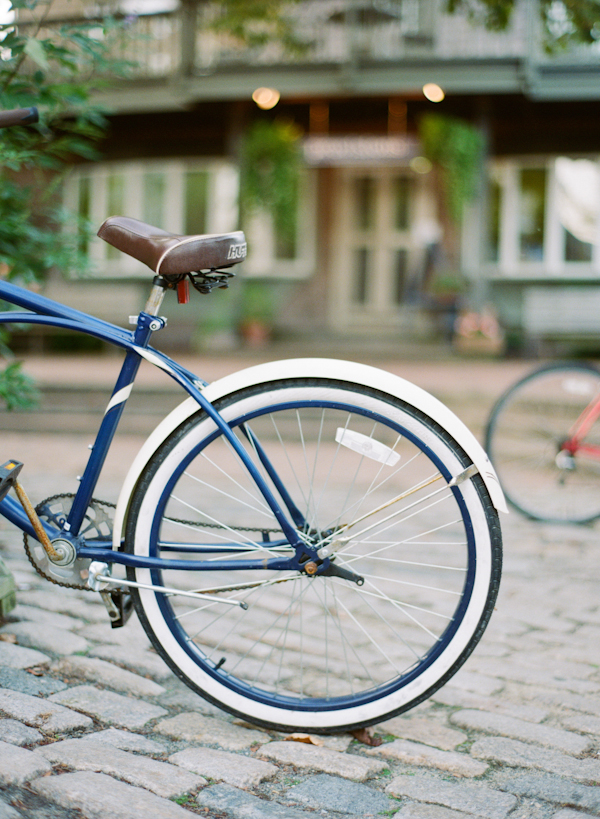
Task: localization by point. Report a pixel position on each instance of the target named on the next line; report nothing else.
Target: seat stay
(295, 513)
(194, 388)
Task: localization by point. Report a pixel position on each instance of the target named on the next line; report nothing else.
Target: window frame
(509, 265)
(222, 213)
(262, 260)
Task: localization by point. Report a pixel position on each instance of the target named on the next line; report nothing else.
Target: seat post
(156, 296)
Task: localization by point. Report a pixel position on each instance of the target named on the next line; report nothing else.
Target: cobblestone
(105, 673)
(500, 705)
(467, 797)
(49, 620)
(135, 658)
(477, 683)
(49, 717)
(57, 641)
(222, 766)
(115, 709)
(423, 729)
(12, 656)
(587, 724)
(545, 735)
(567, 813)
(419, 810)
(552, 789)
(18, 765)
(340, 795)
(69, 601)
(195, 727)
(238, 804)
(133, 635)
(414, 753)
(8, 812)
(532, 687)
(14, 732)
(556, 699)
(310, 757)
(20, 680)
(161, 778)
(518, 754)
(127, 741)
(98, 796)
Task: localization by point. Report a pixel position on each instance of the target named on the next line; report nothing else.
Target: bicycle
(309, 544)
(543, 438)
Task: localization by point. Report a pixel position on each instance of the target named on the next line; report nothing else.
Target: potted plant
(455, 149)
(256, 312)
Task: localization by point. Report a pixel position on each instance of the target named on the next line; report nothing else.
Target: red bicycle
(543, 437)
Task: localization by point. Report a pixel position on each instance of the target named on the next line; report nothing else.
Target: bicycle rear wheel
(525, 435)
(321, 653)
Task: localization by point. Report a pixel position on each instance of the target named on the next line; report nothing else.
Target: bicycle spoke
(395, 593)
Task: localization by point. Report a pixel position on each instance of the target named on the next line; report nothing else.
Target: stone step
(68, 408)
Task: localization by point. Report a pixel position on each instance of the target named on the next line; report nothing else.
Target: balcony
(356, 47)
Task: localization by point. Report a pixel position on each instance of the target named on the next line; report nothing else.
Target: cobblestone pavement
(93, 724)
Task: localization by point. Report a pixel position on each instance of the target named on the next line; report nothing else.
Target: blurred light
(420, 164)
(433, 92)
(266, 98)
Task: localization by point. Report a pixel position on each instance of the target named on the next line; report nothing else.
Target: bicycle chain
(54, 581)
(109, 505)
(221, 526)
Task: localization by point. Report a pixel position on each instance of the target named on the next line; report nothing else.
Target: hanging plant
(270, 168)
(455, 150)
(455, 147)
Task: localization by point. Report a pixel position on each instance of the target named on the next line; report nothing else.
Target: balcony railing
(334, 32)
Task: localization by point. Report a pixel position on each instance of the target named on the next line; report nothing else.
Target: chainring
(97, 524)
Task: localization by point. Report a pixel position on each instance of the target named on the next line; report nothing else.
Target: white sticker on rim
(366, 446)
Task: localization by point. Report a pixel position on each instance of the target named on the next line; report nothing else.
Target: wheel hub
(317, 563)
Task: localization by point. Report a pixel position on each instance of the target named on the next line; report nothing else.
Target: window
(578, 195)
(181, 196)
(543, 217)
(277, 252)
(532, 205)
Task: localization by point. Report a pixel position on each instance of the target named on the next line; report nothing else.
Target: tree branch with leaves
(55, 67)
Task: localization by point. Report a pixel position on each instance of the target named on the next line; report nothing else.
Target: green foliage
(564, 22)
(258, 22)
(184, 799)
(55, 67)
(17, 390)
(270, 171)
(493, 14)
(455, 147)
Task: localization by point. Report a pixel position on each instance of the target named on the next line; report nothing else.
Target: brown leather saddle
(169, 254)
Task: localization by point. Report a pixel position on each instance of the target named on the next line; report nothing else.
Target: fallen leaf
(310, 739)
(366, 737)
(8, 638)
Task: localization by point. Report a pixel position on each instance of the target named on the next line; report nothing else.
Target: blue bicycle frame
(41, 310)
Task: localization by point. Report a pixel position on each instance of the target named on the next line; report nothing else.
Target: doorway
(375, 261)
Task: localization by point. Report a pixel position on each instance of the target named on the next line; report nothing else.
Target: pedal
(9, 472)
(119, 606)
